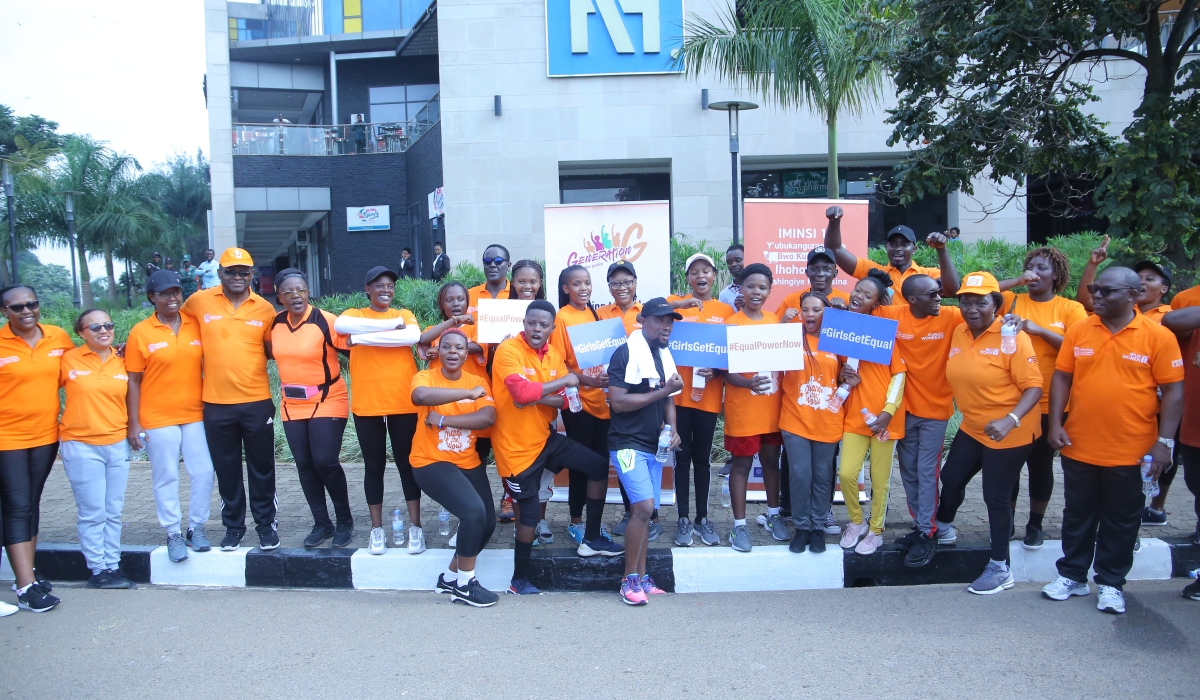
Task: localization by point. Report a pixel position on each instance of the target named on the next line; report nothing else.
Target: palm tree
(795, 53)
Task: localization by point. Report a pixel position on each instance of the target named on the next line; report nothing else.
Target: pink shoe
(869, 544)
(852, 533)
(631, 591)
(649, 587)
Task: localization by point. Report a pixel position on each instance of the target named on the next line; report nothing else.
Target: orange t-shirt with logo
(453, 445)
(806, 393)
(474, 294)
(304, 358)
(1186, 298)
(1114, 388)
(747, 413)
(925, 345)
(235, 364)
(595, 401)
(988, 384)
(474, 364)
(628, 318)
(95, 412)
(1056, 315)
(792, 301)
(29, 381)
(871, 394)
(171, 365)
(864, 266)
(379, 377)
(714, 312)
(519, 434)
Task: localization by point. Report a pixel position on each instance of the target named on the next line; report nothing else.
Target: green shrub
(682, 248)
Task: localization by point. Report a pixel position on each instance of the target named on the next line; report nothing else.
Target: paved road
(931, 641)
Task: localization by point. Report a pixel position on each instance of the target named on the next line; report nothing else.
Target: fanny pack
(300, 392)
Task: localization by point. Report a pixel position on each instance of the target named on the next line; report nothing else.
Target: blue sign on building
(865, 337)
(613, 37)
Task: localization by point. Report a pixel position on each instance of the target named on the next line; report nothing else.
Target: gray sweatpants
(811, 466)
(920, 456)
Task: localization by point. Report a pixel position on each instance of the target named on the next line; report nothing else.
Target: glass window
(422, 93)
(387, 94)
(388, 113)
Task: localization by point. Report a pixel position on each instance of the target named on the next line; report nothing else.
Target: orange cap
(979, 283)
(236, 256)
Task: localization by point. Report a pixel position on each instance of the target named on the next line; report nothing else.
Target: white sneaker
(453, 540)
(761, 519)
(7, 609)
(852, 534)
(869, 544)
(1111, 600)
(416, 540)
(378, 542)
(1062, 588)
(831, 524)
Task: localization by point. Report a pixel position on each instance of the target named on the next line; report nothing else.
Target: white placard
(371, 218)
(597, 235)
(776, 347)
(499, 318)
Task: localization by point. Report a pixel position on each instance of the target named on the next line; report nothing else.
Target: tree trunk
(5, 277)
(112, 278)
(833, 187)
(86, 300)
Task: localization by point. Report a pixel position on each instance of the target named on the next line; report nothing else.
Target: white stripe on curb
(211, 568)
(1037, 565)
(770, 568)
(396, 569)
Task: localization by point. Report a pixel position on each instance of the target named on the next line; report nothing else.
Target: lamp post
(69, 209)
(12, 224)
(733, 107)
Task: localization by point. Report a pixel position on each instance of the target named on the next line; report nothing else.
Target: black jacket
(441, 267)
(408, 268)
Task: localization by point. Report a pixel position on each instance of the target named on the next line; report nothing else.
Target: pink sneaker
(631, 591)
(649, 587)
(852, 533)
(869, 544)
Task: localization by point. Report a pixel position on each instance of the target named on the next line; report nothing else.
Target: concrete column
(333, 100)
(986, 214)
(220, 124)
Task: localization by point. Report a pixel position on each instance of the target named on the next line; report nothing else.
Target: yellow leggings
(854, 451)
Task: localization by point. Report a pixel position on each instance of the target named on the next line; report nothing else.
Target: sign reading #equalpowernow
(613, 37)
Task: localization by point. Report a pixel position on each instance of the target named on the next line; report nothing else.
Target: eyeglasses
(244, 274)
(95, 327)
(294, 293)
(18, 308)
(170, 293)
(494, 261)
(1105, 291)
(624, 284)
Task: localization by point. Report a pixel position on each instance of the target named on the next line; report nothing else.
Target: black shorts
(560, 452)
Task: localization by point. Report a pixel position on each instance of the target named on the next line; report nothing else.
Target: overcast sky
(128, 72)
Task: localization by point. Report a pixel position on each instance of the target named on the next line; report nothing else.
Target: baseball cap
(236, 256)
(902, 230)
(621, 265)
(162, 280)
(979, 283)
(659, 307)
(698, 256)
(186, 258)
(1162, 270)
(375, 272)
(821, 252)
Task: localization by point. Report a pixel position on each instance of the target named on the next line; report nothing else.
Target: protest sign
(865, 337)
(499, 318)
(594, 343)
(775, 347)
(699, 345)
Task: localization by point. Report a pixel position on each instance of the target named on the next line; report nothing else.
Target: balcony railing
(331, 140)
(284, 19)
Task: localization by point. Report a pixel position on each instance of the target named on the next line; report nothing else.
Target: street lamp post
(12, 224)
(733, 107)
(69, 209)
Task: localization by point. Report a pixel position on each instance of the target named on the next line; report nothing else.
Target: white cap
(698, 256)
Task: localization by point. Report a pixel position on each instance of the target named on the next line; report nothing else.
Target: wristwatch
(1168, 442)
(1016, 421)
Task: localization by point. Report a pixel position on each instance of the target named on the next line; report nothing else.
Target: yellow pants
(854, 451)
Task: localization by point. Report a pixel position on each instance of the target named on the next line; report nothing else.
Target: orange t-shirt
(747, 413)
(988, 384)
(303, 358)
(453, 445)
(595, 401)
(1056, 315)
(474, 294)
(871, 394)
(1114, 388)
(925, 345)
(863, 266)
(235, 364)
(171, 366)
(95, 413)
(519, 434)
(806, 392)
(1156, 313)
(1186, 298)
(716, 312)
(379, 377)
(792, 301)
(474, 364)
(29, 381)
(628, 318)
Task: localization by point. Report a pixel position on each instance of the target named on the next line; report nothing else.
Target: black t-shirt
(636, 430)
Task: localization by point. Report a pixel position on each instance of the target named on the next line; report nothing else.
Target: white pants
(98, 474)
(163, 447)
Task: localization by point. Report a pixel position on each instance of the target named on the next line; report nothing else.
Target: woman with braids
(528, 281)
(1045, 316)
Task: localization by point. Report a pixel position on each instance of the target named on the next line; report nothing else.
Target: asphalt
(904, 642)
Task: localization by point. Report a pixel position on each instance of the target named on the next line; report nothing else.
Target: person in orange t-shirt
(496, 263)
(1112, 367)
(1184, 321)
(995, 391)
(452, 405)
(821, 270)
(622, 285)
(165, 360)
(315, 404)
(900, 244)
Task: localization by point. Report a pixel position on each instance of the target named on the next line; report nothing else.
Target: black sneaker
(97, 580)
(117, 581)
(905, 542)
(444, 586)
(268, 540)
(921, 552)
(1034, 537)
(474, 594)
(232, 540)
(1153, 518)
(34, 599)
(342, 535)
(319, 534)
(1192, 590)
(816, 541)
(42, 582)
(799, 541)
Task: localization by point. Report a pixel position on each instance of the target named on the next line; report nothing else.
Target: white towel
(377, 332)
(641, 362)
(388, 339)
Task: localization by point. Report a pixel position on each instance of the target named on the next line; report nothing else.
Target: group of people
(191, 277)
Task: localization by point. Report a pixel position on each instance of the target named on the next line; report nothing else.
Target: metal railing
(332, 140)
(284, 19)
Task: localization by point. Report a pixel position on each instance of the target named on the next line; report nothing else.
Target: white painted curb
(771, 568)
(211, 568)
(396, 569)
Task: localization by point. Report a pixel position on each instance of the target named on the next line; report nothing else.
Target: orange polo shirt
(453, 445)
(29, 381)
(595, 401)
(871, 394)
(747, 413)
(1114, 399)
(628, 318)
(1156, 313)
(1056, 315)
(379, 377)
(519, 434)
(806, 392)
(235, 364)
(1186, 298)
(303, 358)
(716, 312)
(863, 266)
(474, 294)
(95, 412)
(792, 301)
(925, 345)
(171, 366)
(988, 384)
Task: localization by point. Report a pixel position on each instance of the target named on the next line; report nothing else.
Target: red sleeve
(523, 391)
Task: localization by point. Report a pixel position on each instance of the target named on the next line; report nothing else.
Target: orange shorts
(749, 445)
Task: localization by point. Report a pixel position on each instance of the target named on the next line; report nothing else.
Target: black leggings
(23, 475)
(1001, 468)
(696, 430)
(467, 494)
(1041, 468)
(372, 435)
(316, 444)
(592, 433)
(1191, 476)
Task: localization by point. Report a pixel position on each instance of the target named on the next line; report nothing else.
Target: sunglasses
(494, 261)
(18, 308)
(95, 327)
(239, 273)
(1105, 291)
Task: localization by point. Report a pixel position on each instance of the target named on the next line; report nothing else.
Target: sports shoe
(34, 599)
(905, 542)
(1062, 588)
(816, 541)
(444, 586)
(342, 534)
(995, 578)
(7, 609)
(319, 534)
(761, 519)
(631, 590)
(921, 552)
(739, 539)
(946, 535)
(831, 524)
(575, 532)
(1034, 537)
(1154, 518)
(118, 580)
(653, 530)
(708, 533)
(777, 526)
(1192, 590)
(473, 594)
(544, 535)
(649, 587)
(600, 546)
(1196, 535)
(39, 581)
(854, 531)
(522, 587)
(799, 542)
(197, 539)
(232, 540)
(1110, 600)
(869, 544)
(268, 540)
(683, 535)
(453, 541)
(416, 540)
(96, 580)
(378, 542)
(1137, 545)
(506, 514)
(176, 548)
(619, 526)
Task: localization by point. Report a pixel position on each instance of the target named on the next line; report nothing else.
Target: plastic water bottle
(1008, 339)
(870, 418)
(397, 529)
(443, 522)
(698, 383)
(1149, 486)
(573, 402)
(838, 398)
(726, 500)
(664, 444)
(770, 389)
(1194, 573)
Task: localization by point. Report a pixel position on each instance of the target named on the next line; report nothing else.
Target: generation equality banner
(500, 318)
(594, 343)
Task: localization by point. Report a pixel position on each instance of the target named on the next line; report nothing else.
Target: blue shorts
(640, 473)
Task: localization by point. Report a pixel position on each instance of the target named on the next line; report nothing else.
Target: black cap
(621, 265)
(162, 280)
(902, 230)
(659, 307)
(821, 252)
(1162, 270)
(376, 272)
